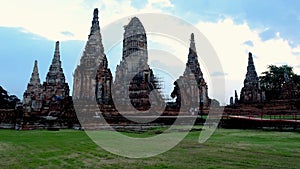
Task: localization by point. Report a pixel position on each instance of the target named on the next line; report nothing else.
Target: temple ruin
(135, 89)
(251, 92)
(32, 97)
(134, 79)
(92, 78)
(84, 79)
(55, 88)
(191, 86)
(49, 101)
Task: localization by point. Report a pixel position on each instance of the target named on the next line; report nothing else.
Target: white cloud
(228, 39)
(296, 50)
(49, 18)
(161, 3)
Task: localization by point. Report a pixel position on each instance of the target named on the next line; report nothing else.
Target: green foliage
(273, 79)
(7, 101)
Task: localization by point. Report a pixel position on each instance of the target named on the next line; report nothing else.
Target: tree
(3, 98)
(272, 80)
(13, 100)
(7, 101)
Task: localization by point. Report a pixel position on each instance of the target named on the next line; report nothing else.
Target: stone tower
(251, 92)
(192, 84)
(32, 97)
(134, 79)
(236, 98)
(194, 66)
(55, 88)
(84, 80)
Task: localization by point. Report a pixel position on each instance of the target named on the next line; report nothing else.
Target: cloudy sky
(28, 30)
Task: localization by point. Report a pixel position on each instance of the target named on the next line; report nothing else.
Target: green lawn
(282, 117)
(225, 149)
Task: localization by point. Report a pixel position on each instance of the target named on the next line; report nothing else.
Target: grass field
(225, 149)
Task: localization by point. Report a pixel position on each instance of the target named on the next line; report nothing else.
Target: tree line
(7, 101)
(273, 81)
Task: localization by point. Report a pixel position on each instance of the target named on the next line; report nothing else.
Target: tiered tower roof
(193, 88)
(94, 51)
(251, 75)
(93, 58)
(35, 77)
(134, 77)
(56, 74)
(134, 27)
(193, 63)
(135, 42)
(251, 92)
(95, 23)
(32, 96)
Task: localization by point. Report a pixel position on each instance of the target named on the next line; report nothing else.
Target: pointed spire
(251, 72)
(35, 79)
(251, 80)
(95, 23)
(57, 47)
(92, 58)
(56, 58)
(250, 59)
(56, 52)
(192, 62)
(251, 92)
(55, 70)
(32, 100)
(192, 43)
(192, 56)
(94, 51)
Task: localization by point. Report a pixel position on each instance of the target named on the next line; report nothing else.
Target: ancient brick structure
(55, 88)
(289, 88)
(42, 99)
(50, 100)
(92, 78)
(32, 97)
(231, 101)
(236, 98)
(251, 92)
(103, 85)
(191, 87)
(134, 79)
(93, 59)
(252, 100)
